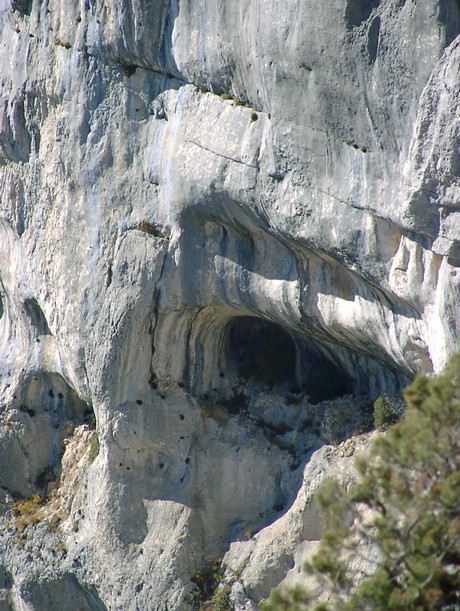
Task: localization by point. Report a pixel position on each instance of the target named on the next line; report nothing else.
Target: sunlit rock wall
(215, 218)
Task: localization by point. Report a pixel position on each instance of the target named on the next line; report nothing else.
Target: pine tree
(403, 514)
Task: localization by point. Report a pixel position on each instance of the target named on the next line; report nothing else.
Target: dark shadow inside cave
(294, 389)
(265, 353)
(321, 378)
(262, 351)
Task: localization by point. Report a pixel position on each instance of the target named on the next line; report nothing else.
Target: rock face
(225, 228)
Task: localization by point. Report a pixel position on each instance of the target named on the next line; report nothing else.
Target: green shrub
(27, 512)
(221, 599)
(387, 411)
(207, 581)
(409, 485)
(213, 589)
(28, 506)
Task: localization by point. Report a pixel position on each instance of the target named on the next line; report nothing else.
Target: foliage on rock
(387, 411)
(207, 582)
(27, 511)
(401, 521)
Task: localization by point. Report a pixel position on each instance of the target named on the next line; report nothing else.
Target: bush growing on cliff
(27, 511)
(387, 411)
(404, 511)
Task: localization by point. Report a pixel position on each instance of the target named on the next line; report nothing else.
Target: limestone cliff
(225, 228)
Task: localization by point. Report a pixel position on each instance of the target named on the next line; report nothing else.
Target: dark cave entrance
(262, 351)
(265, 353)
(322, 378)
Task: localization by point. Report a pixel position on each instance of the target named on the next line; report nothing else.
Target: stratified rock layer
(225, 228)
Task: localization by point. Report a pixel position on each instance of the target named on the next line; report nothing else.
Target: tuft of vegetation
(206, 581)
(93, 447)
(213, 592)
(150, 228)
(387, 411)
(394, 536)
(27, 507)
(147, 227)
(62, 43)
(221, 599)
(27, 511)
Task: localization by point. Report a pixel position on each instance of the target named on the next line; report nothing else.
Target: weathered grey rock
(215, 219)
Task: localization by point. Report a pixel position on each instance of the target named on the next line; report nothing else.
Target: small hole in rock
(51, 393)
(139, 402)
(182, 417)
(129, 70)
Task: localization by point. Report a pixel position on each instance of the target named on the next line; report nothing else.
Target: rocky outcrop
(224, 231)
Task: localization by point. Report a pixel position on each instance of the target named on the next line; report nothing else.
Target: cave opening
(262, 352)
(322, 378)
(265, 353)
